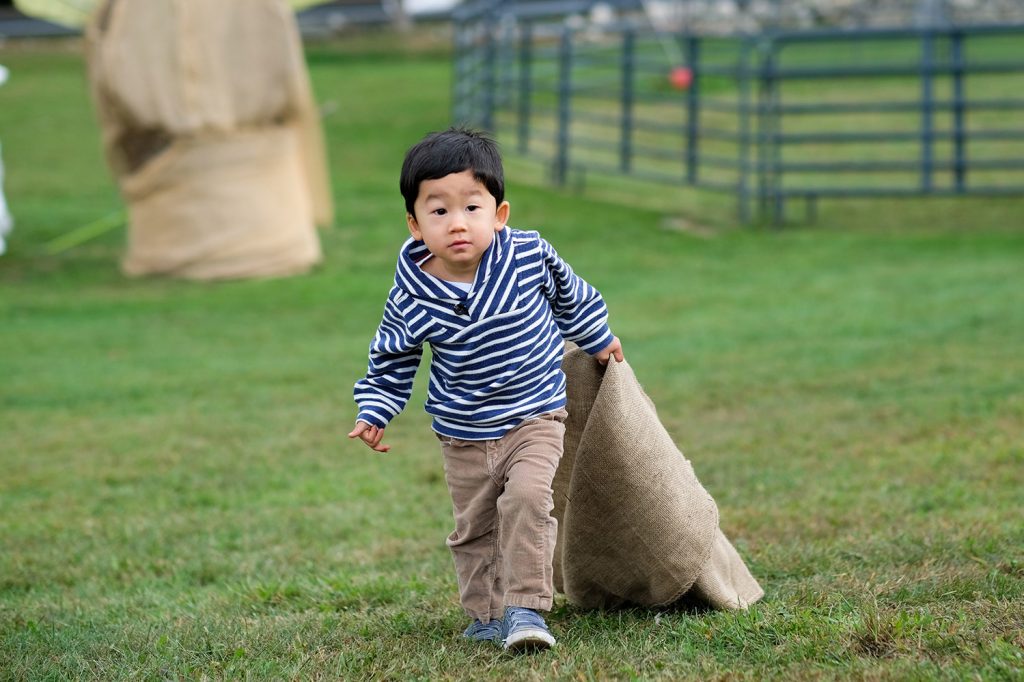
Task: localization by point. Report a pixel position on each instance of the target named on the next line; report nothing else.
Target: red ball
(680, 77)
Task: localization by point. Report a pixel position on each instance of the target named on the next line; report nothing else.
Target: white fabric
(6, 221)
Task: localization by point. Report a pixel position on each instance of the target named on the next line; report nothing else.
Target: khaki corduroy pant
(504, 538)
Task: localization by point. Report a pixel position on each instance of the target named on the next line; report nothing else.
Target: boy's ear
(501, 216)
(414, 228)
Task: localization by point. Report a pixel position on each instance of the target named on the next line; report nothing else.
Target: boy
(495, 305)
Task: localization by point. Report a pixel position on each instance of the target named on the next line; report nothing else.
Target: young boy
(495, 305)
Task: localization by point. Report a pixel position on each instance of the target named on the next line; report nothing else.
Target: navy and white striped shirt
(497, 351)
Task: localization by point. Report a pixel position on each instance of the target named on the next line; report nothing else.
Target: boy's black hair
(452, 151)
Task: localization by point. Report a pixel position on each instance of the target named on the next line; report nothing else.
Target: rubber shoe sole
(528, 639)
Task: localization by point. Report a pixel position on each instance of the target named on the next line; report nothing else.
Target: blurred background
(805, 218)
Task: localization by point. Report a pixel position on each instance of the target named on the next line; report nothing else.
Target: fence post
(461, 110)
(768, 142)
(959, 160)
(692, 108)
(626, 132)
(561, 167)
(525, 85)
(489, 79)
(927, 107)
(743, 110)
(505, 79)
(775, 141)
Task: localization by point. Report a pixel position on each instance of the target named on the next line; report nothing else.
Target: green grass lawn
(178, 498)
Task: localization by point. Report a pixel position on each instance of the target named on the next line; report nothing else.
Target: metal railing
(770, 117)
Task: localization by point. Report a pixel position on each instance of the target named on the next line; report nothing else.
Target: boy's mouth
(459, 243)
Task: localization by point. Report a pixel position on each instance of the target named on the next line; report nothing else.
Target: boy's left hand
(613, 349)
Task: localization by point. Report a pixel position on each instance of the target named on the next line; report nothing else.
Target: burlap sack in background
(635, 525)
(210, 128)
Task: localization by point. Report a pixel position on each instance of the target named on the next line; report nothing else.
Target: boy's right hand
(371, 435)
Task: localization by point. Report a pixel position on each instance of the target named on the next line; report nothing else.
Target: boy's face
(456, 217)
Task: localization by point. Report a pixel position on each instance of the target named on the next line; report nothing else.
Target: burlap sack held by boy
(635, 526)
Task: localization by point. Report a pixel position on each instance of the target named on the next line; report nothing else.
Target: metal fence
(771, 117)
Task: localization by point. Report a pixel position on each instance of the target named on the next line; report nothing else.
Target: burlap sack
(210, 128)
(635, 526)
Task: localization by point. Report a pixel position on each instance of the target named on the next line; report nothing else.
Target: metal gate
(770, 117)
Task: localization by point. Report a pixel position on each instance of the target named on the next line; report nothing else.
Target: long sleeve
(395, 354)
(578, 308)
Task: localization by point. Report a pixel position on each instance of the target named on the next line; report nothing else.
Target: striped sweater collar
(413, 280)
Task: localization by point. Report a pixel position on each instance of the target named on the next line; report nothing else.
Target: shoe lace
(493, 625)
(517, 617)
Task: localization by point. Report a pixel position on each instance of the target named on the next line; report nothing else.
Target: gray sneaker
(525, 630)
(484, 632)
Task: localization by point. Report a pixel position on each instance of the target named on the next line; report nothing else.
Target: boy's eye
(472, 207)
(439, 211)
